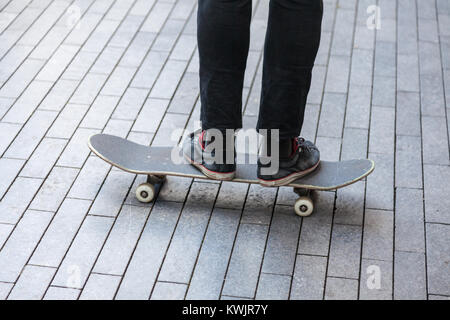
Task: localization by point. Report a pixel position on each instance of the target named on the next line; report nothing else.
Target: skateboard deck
(140, 159)
(156, 161)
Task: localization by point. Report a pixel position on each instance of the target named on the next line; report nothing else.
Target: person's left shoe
(297, 158)
(196, 152)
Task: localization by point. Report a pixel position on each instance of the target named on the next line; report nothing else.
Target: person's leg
(223, 35)
(292, 41)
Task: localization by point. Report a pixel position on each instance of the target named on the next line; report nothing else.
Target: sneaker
(298, 157)
(196, 152)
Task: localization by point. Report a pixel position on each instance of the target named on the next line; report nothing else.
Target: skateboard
(156, 163)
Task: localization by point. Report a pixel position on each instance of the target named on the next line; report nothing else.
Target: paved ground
(70, 226)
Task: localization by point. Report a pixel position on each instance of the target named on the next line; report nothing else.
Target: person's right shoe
(195, 151)
(297, 158)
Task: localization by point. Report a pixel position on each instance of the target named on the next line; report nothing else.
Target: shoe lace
(299, 145)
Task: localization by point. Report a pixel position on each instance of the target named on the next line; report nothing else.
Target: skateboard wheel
(145, 192)
(303, 206)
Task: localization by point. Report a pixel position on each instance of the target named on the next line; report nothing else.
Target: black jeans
(291, 44)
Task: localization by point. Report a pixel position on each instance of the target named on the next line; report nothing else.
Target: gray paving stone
(345, 251)
(382, 130)
(100, 112)
(436, 193)
(43, 159)
(378, 239)
(5, 231)
(438, 254)
(350, 204)
(9, 168)
(337, 77)
(157, 17)
(149, 70)
(408, 163)
(12, 60)
(101, 35)
(57, 63)
(376, 280)
(281, 248)
(24, 106)
(173, 189)
(341, 289)
(130, 104)
(16, 201)
(408, 114)
(409, 276)
(148, 256)
(59, 293)
(76, 266)
(309, 278)
(344, 25)
(169, 291)
(362, 66)
(259, 204)
(100, 287)
(317, 84)
(186, 95)
(119, 10)
(118, 81)
(168, 35)
(330, 148)
(151, 115)
(358, 107)
(118, 127)
(316, 230)
(90, 179)
(354, 144)
(88, 89)
(58, 96)
(166, 84)
(434, 141)
(77, 151)
(107, 60)
(112, 193)
(5, 104)
(142, 7)
(30, 135)
(409, 220)
(125, 33)
(384, 91)
(436, 297)
(187, 239)
(332, 115)
(432, 95)
(122, 240)
(79, 66)
(170, 129)
(5, 289)
(379, 190)
(21, 243)
(246, 259)
(407, 73)
(32, 283)
(8, 132)
(209, 273)
(231, 195)
(385, 59)
(21, 78)
(83, 29)
(67, 121)
(59, 235)
(273, 287)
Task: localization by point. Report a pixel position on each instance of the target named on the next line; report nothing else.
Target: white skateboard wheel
(145, 192)
(304, 206)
